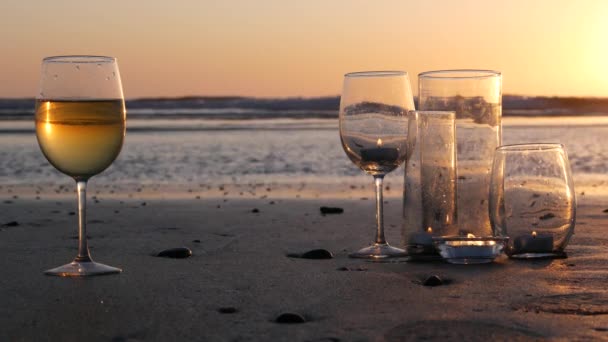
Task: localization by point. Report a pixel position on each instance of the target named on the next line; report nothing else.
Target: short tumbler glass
(532, 199)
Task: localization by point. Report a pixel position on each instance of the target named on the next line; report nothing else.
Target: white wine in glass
(80, 126)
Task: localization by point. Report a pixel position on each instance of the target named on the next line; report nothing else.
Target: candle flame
(379, 142)
(429, 230)
(534, 233)
(470, 236)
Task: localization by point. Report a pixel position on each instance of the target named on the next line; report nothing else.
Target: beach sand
(239, 264)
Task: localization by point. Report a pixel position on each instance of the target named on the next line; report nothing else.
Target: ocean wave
(249, 108)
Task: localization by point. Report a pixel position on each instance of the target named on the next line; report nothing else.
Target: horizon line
(186, 97)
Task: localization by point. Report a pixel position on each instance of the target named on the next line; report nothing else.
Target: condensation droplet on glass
(113, 73)
(99, 65)
(55, 76)
(77, 67)
(107, 78)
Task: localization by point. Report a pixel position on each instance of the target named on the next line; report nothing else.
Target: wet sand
(239, 279)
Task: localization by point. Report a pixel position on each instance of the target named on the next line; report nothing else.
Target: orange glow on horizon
(273, 48)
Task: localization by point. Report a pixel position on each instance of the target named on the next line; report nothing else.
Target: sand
(241, 263)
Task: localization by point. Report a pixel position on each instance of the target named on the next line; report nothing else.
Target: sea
(238, 140)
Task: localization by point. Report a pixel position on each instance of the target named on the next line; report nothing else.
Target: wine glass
(373, 129)
(532, 199)
(80, 126)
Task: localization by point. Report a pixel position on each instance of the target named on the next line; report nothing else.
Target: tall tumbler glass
(476, 97)
(429, 194)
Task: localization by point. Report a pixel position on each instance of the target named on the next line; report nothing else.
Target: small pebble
(11, 224)
(331, 210)
(433, 281)
(227, 310)
(196, 241)
(255, 210)
(358, 269)
(177, 253)
(72, 213)
(290, 318)
(313, 254)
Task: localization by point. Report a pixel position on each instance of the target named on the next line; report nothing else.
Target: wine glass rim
(378, 73)
(530, 147)
(460, 74)
(79, 59)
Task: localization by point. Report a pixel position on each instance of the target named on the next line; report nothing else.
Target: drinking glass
(80, 126)
(373, 129)
(532, 199)
(429, 192)
(476, 97)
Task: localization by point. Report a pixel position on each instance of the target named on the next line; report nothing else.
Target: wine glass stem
(379, 210)
(83, 247)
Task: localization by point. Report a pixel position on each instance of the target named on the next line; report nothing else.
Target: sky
(288, 48)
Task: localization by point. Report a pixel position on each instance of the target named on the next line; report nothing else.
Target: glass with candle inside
(532, 199)
(476, 98)
(429, 192)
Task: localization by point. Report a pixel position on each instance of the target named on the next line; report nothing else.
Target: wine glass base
(82, 269)
(379, 251)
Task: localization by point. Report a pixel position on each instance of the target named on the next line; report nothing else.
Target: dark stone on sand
(290, 318)
(547, 216)
(223, 234)
(11, 224)
(433, 280)
(176, 253)
(356, 269)
(255, 210)
(313, 254)
(228, 310)
(331, 210)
